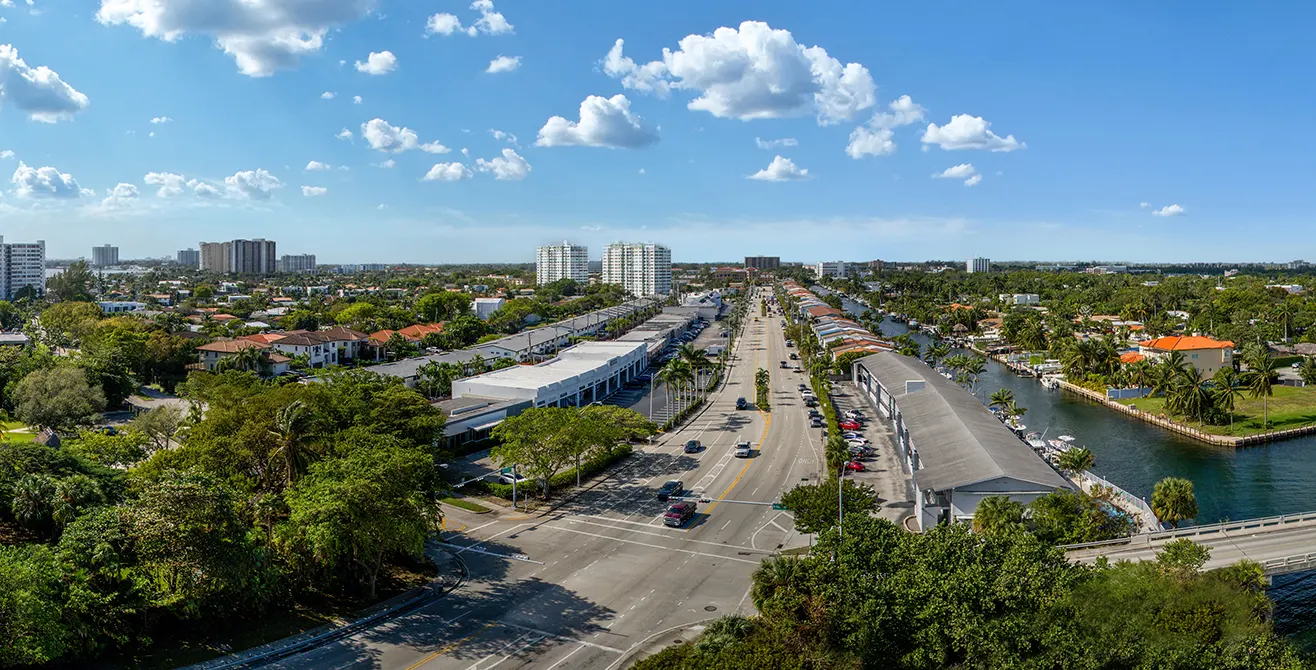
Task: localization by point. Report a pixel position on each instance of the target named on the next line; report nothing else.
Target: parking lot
(882, 471)
(650, 399)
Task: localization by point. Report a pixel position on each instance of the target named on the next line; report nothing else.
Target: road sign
(778, 506)
(507, 470)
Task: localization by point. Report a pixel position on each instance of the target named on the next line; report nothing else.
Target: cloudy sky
(440, 131)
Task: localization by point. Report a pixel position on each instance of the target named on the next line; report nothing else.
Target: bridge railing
(1232, 526)
(1293, 563)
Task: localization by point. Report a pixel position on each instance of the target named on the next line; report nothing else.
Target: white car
(851, 435)
(743, 449)
(857, 442)
(506, 478)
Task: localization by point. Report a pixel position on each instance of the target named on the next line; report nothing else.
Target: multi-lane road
(614, 580)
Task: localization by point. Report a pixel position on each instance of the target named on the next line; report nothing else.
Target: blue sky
(1116, 131)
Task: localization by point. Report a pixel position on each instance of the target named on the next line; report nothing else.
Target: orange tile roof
(382, 336)
(264, 338)
(1131, 357)
(224, 317)
(420, 330)
(1187, 343)
(231, 346)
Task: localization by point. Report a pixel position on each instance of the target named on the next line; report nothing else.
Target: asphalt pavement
(600, 577)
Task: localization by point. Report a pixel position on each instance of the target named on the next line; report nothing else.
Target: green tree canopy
(59, 398)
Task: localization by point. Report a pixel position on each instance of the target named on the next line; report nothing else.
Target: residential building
(643, 269)
(978, 265)
(1204, 353)
(485, 307)
(763, 262)
(361, 267)
(1113, 269)
(189, 258)
(121, 306)
(297, 264)
(212, 257)
(831, 269)
(554, 262)
(272, 363)
(1020, 298)
(876, 265)
(104, 256)
(955, 452)
(731, 274)
(22, 264)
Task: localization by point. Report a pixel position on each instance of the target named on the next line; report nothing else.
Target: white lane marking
(469, 531)
(628, 530)
(476, 665)
(657, 546)
(494, 536)
(564, 658)
(555, 636)
(516, 651)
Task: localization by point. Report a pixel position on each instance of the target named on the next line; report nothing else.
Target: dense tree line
(273, 491)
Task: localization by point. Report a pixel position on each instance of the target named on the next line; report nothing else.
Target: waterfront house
(1204, 353)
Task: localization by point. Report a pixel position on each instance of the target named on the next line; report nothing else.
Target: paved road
(613, 576)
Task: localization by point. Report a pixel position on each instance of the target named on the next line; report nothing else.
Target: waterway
(1231, 483)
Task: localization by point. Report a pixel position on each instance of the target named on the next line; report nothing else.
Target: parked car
(741, 403)
(850, 425)
(794, 356)
(677, 515)
(506, 478)
(850, 435)
(798, 368)
(803, 386)
(857, 442)
(693, 447)
(671, 489)
(813, 411)
(854, 466)
(816, 422)
(784, 364)
(744, 449)
(810, 402)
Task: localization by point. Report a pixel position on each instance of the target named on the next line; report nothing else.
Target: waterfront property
(1204, 353)
(955, 451)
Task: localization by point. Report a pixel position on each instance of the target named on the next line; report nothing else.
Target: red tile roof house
(211, 354)
(321, 347)
(1204, 353)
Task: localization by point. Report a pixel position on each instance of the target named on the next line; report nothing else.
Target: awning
(486, 426)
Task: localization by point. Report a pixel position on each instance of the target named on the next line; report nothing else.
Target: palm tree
(1173, 500)
(1192, 393)
(1077, 459)
(31, 502)
(1014, 410)
(1000, 398)
(936, 352)
(1285, 310)
(973, 367)
(291, 424)
(1260, 378)
(1226, 389)
(695, 357)
(996, 514)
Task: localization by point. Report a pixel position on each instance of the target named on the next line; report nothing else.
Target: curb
(632, 655)
(296, 644)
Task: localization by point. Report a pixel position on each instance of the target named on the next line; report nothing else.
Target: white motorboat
(1035, 441)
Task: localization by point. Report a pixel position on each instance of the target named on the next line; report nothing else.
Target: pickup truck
(743, 449)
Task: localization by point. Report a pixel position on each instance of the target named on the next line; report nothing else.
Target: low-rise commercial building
(1020, 298)
(831, 269)
(952, 447)
(579, 375)
(471, 418)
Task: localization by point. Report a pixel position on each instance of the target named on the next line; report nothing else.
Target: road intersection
(608, 578)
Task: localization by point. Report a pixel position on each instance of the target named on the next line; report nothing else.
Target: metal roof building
(579, 375)
(956, 452)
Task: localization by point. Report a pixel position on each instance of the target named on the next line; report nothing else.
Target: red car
(854, 466)
(850, 425)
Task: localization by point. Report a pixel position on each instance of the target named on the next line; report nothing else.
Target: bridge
(1281, 544)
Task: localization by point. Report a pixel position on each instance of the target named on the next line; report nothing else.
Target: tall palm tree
(1000, 398)
(1015, 411)
(973, 367)
(1173, 500)
(1260, 379)
(291, 433)
(697, 359)
(1193, 393)
(1227, 388)
(936, 352)
(996, 514)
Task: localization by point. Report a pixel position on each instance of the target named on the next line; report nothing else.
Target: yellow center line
(767, 423)
(450, 647)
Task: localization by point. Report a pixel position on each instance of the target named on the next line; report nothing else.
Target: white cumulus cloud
(434, 148)
(780, 169)
(774, 144)
(490, 22)
(508, 167)
(503, 64)
(327, 95)
(1169, 210)
(44, 182)
(502, 136)
(37, 91)
(252, 184)
(877, 138)
(604, 122)
(973, 181)
(968, 132)
(314, 191)
(344, 134)
(170, 184)
(377, 63)
(961, 171)
(161, 119)
(753, 72)
(314, 166)
(356, 100)
(388, 163)
(448, 172)
(203, 189)
(383, 136)
(6, 154)
(262, 36)
(121, 195)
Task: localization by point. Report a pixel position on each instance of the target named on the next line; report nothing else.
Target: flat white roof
(581, 365)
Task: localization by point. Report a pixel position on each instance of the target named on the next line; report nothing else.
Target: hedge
(562, 479)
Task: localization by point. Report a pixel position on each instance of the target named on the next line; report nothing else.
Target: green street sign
(778, 506)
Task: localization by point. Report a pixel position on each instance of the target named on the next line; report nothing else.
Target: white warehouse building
(580, 375)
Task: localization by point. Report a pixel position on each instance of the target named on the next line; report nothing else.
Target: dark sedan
(671, 489)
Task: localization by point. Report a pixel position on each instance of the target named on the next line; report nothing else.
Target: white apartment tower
(561, 261)
(297, 263)
(22, 265)
(105, 256)
(642, 269)
(978, 265)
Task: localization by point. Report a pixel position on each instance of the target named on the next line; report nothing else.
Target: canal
(1231, 484)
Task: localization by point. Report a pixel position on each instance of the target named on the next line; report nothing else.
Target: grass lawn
(16, 431)
(1290, 407)
(467, 505)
